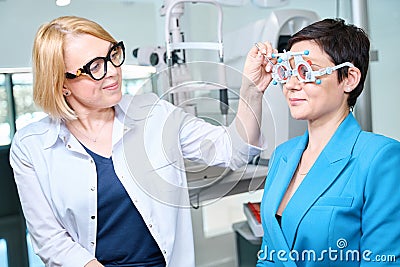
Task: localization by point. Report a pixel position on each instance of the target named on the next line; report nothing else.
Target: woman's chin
(298, 115)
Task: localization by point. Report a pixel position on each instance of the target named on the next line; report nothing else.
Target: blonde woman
(101, 178)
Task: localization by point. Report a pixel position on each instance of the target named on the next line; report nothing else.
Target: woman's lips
(113, 86)
(296, 101)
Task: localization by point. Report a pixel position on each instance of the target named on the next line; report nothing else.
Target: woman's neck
(321, 131)
(90, 120)
(94, 130)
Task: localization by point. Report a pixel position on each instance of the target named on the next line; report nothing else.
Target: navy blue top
(122, 236)
(279, 219)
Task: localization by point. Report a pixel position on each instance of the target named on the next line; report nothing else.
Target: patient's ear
(352, 80)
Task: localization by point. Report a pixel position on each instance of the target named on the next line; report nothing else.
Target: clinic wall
(385, 94)
(135, 23)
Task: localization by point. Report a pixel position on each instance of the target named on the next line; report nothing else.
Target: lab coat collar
(324, 172)
(128, 112)
(139, 107)
(53, 131)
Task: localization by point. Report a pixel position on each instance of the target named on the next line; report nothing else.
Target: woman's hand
(255, 79)
(94, 263)
(258, 68)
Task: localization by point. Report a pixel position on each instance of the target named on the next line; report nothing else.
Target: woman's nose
(111, 69)
(293, 83)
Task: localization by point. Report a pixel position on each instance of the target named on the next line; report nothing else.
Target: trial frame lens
(282, 73)
(303, 72)
(97, 67)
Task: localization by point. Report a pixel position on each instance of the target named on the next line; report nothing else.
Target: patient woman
(332, 196)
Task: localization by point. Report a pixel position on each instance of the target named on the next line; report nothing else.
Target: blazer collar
(342, 142)
(325, 170)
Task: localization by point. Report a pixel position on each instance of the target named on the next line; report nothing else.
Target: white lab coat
(56, 178)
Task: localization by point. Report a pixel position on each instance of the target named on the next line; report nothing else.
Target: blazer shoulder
(371, 143)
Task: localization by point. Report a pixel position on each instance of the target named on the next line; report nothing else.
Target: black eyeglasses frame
(86, 68)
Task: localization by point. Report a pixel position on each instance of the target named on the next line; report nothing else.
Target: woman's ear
(65, 91)
(352, 80)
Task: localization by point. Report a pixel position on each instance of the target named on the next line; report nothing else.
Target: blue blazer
(346, 212)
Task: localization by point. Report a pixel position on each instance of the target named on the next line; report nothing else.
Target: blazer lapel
(286, 168)
(323, 173)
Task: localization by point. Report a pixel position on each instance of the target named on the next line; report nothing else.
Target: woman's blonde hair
(48, 62)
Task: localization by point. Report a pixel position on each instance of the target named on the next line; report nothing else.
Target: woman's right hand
(258, 68)
(94, 263)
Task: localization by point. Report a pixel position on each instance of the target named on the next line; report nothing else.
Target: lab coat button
(69, 146)
(164, 251)
(92, 243)
(93, 188)
(93, 217)
(150, 225)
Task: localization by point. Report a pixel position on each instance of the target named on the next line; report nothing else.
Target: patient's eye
(302, 70)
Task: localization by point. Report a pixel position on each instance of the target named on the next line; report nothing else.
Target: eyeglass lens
(302, 71)
(282, 73)
(98, 67)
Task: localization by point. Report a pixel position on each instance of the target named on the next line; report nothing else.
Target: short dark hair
(342, 42)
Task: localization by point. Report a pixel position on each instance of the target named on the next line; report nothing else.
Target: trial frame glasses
(282, 71)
